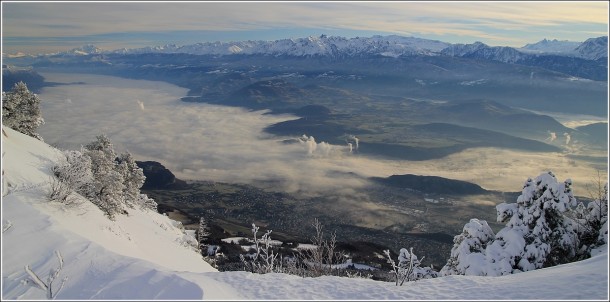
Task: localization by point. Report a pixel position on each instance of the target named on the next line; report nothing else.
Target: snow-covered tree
(598, 216)
(202, 233)
(468, 252)
(593, 221)
(21, 110)
(71, 174)
(75, 171)
(133, 179)
(111, 182)
(537, 233)
(147, 202)
(108, 184)
(603, 234)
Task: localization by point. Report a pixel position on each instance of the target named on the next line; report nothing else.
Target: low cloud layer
(207, 142)
(196, 141)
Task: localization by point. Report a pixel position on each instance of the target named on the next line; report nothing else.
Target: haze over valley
(209, 142)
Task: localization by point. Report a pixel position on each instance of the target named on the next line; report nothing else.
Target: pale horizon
(62, 26)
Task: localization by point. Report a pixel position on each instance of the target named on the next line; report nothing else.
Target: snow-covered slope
(480, 50)
(582, 62)
(551, 46)
(593, 49)
(141, 256)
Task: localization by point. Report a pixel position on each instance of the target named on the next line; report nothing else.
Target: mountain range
(323, 45)
(390, 46)
(586, 59)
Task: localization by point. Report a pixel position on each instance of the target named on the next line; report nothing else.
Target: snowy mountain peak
(87, 49)
(551, 46)
(593, 49)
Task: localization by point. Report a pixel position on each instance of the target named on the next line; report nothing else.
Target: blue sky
(39, 27)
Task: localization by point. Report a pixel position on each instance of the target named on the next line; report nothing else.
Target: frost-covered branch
(7, 225)
(408, 267)
(265, 260)
(60, 191)
(51, 293)
(322, 258)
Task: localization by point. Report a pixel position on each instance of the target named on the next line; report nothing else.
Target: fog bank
(208, 142)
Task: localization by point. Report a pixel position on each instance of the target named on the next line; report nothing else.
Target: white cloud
(141, 104)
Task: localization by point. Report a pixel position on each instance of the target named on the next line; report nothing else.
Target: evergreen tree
(133, 178)
(75, 171)
(598, 216)
(468, 252)
(116, 179)
(537, 233)
(593, 222)
(202, 234)
(108, 184)
(21, 110)
(544, 228)
(73, 174)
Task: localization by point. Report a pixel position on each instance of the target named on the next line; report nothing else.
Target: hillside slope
(142, 256)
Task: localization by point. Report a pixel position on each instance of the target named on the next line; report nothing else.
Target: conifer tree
(75, 171)
(21, 110)
(544, 228)
(202, 234)
(468, 252)
(108, 185)
(537, 233)
(593, 222)
(133, 178)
